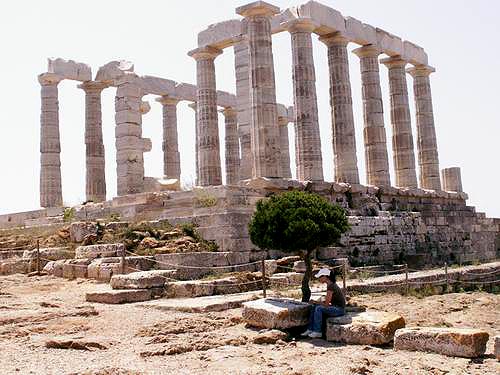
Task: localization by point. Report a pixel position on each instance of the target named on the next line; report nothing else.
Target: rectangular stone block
(455, 342)
(119, 296)
(359, 32)
(329, 19)
(390, 44)
(99, 251)
(142, 280)
(70, 69)
(274, 313)
(414, 54)
(157, 85)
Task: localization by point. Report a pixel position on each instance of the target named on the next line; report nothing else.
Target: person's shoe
(306, 333)
(315, 335)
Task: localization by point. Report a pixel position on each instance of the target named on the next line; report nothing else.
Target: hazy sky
(459, 36)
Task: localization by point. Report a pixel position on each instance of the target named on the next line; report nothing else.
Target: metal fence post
(344, 274)
(264, 292)
(123, 262)
(446, 276)
(38, 257)
(407, 285)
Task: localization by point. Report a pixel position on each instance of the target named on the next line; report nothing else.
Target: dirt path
(127, 339)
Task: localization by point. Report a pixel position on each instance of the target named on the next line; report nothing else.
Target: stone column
(402, 138)
(207, 123)
(264, 117)
(428, 158)
(50, 145)
(243, 107)
(171, 157)
(377, 160)
(307, 136)
(232, 146)
(452, 179)
(344, 138)
(95, 186)
(130, 146)
(284, 148)
(193, 106)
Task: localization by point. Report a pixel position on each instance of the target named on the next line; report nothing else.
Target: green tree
(297, 222)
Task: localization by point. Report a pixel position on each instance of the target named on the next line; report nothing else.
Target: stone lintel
(298, 25)
(257, 8)
(395, 61)
(336, 38)
(168, 100)
(205, 53)
(49, 79)
(420, 70)
(367, 51)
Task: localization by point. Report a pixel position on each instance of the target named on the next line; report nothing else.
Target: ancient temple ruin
(425, 218)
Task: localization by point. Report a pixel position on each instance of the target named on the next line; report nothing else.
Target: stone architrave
(376, 156)
(171, 157)
(95, 186)
(207, 139)
(264, 130)
(344, 137)
(452, 179)
(232, 146)
(50, 144)
(243, 107)
(402, 138)
(307, 134)
(130, 146)
(428, 156)
(284, 148)
(193, 106)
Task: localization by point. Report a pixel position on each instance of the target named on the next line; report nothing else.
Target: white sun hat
(322, 272)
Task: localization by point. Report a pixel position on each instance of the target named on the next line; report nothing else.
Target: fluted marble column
(193, 106)
(344, 138)
(95, 186)
(307, 136)
(208, 129)
(284, 148)
(375, 140)
(232, 146)
(428, 156)
(452, 179)
(243, 107)
(170, 147)
(402, 138)
(50, 145)
(264, 117)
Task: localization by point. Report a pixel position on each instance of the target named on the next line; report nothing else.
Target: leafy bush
(297, 222)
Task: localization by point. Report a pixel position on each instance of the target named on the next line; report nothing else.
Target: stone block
(99, 251)
(330, 20)
(52, 253)
(75, 269)
(189, 289)
(270, 266)
(113, 70)
(119, 296)
(13, 266)
(360, 33)
(388, 43)
(414, 54)
(455, 342)
(496, 347)
(142, 280)
(275, 313)
(220, 34)
(80, 229)
(69, 69)
(185, 91)
(157, 85)
(55, 268)
(365, 328)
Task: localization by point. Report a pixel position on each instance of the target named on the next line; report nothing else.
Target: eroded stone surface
(99, 251)
(456, 342)
(142, 280)
(119, 296)
(276, 313)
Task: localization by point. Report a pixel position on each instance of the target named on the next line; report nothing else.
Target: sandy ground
(128, 339)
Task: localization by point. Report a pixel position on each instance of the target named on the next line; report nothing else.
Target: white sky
(460, 37)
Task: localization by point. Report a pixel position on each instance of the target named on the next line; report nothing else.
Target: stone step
(199, 288)
(142, 280)
(365, 328)
(276, 313)
(455, 342)
(119, 296)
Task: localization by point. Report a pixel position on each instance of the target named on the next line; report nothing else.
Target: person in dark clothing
(334, 304)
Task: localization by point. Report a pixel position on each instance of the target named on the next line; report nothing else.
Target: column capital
(334, 39)
(228, 111)
(167, 100)
(420, 70)
(300, 25)
(205, 53)
(49, 79)
(283, 121)
(257, 8)
(367, 51)
(93, 86)
(394, 62)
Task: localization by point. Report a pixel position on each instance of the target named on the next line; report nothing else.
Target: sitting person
(334, 304)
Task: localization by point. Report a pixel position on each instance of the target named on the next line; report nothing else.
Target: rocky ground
(46, 327)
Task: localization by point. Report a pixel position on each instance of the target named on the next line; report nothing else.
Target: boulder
(119, 296)
(270, 337)
(80, 229)
(496, 347)
(55, 268)
(142, 280)
(99, 251)
(456, 342)
(276, 313)
(365, 328)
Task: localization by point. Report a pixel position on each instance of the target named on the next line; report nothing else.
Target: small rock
(496, 345)
(74, 344)
(270, 337)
